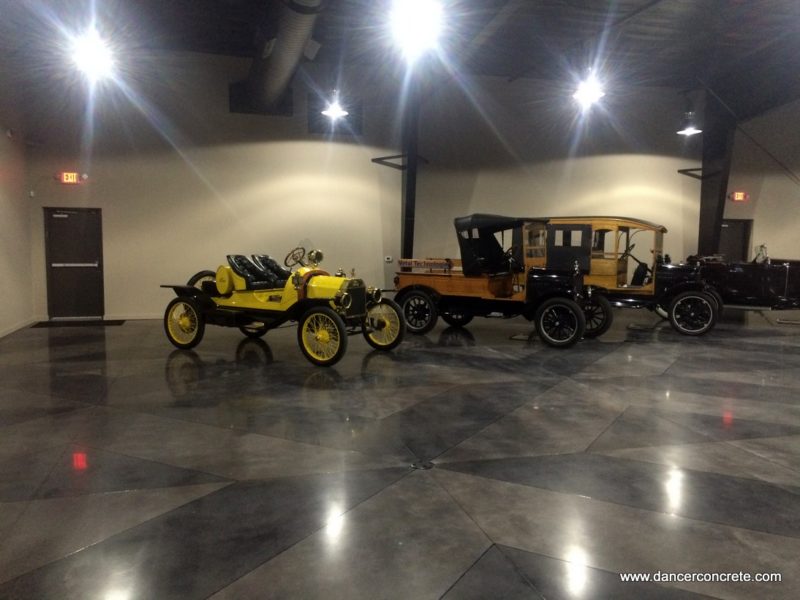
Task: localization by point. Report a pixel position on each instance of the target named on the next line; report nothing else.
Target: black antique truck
(494, 277)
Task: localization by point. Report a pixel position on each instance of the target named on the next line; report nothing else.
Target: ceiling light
(92, 55)
(416, 26)
(335, 111)
(589, 91)
(689, 125)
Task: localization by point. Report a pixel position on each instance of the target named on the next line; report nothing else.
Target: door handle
(94, 264)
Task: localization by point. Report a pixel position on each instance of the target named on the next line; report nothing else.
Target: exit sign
(739, 196)
(69, 177)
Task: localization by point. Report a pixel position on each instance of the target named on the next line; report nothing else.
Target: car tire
(560, 322)
(322, 336)
(198, 278)
(253, 332)
(457, 319)
(419, 311)
(184, 323)
(718, 299)
(598, 314)
(693, 313)
(384, 326)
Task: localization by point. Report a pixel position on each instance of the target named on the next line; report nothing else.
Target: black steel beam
(411, 151)
(718, 135)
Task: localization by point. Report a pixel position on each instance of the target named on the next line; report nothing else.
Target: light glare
(689, 130)
(577, 571)
(335, 111)
(689, 127)
(589, 91)
(92, 56)
(416, 26)
(674, 489)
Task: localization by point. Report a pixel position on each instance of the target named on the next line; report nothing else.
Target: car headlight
(343, 299)
(374, 294)
(315, 256)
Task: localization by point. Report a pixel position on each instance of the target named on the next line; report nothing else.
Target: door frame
(47, 212)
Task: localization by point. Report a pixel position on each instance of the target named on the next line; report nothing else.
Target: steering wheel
(628, 251)
(295, 257)
(508, 255)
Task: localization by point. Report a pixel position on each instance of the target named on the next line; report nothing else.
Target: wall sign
(69, 177)
(739, 196)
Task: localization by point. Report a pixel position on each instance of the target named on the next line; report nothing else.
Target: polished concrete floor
(130, 470)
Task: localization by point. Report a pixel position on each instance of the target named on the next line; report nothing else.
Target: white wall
(774, 204)
(182, 182)
(517, 149)
(644, 187)
(15, 256)
(223, 184)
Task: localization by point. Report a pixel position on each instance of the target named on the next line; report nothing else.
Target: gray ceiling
(747, 51)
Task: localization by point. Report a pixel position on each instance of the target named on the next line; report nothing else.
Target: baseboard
(13, 328)
(115, 317)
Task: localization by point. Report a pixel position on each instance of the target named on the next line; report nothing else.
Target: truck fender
(398, 297)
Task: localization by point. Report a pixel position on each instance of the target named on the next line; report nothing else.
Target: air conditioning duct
(277, 58)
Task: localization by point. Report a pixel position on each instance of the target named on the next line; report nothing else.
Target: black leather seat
(267, 264)
(639, 275)
(255, 278)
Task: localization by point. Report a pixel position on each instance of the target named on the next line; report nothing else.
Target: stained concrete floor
(131, 470)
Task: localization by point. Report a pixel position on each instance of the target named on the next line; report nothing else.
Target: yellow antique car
(256, 294)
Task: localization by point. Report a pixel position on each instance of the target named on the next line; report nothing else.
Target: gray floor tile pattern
(238, 470)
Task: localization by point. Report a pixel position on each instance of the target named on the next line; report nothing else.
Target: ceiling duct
(277, 57)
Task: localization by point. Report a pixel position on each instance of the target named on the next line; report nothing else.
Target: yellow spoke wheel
(183, 323)
(384, 326)
(322, 336)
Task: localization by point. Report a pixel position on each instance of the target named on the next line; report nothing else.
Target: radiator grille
(358, 295)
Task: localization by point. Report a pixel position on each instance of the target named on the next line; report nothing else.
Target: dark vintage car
(625, 266)
(492, 278)
(765, 283)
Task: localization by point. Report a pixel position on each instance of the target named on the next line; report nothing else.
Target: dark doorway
(734, 240)
(74, 254)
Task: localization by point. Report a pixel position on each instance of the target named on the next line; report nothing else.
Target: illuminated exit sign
(739, 196)
(69, 177)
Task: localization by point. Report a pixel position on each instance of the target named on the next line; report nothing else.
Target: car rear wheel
(693, 313)
(597, 311)
(322, 337)
(420, 312)
(198, 278)
(183, 323)
(560, 322)
(384, 326)
(253, 331)
(457, 318)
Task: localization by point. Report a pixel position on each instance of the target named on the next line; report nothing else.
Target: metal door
(734, 239)
(74, 254)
